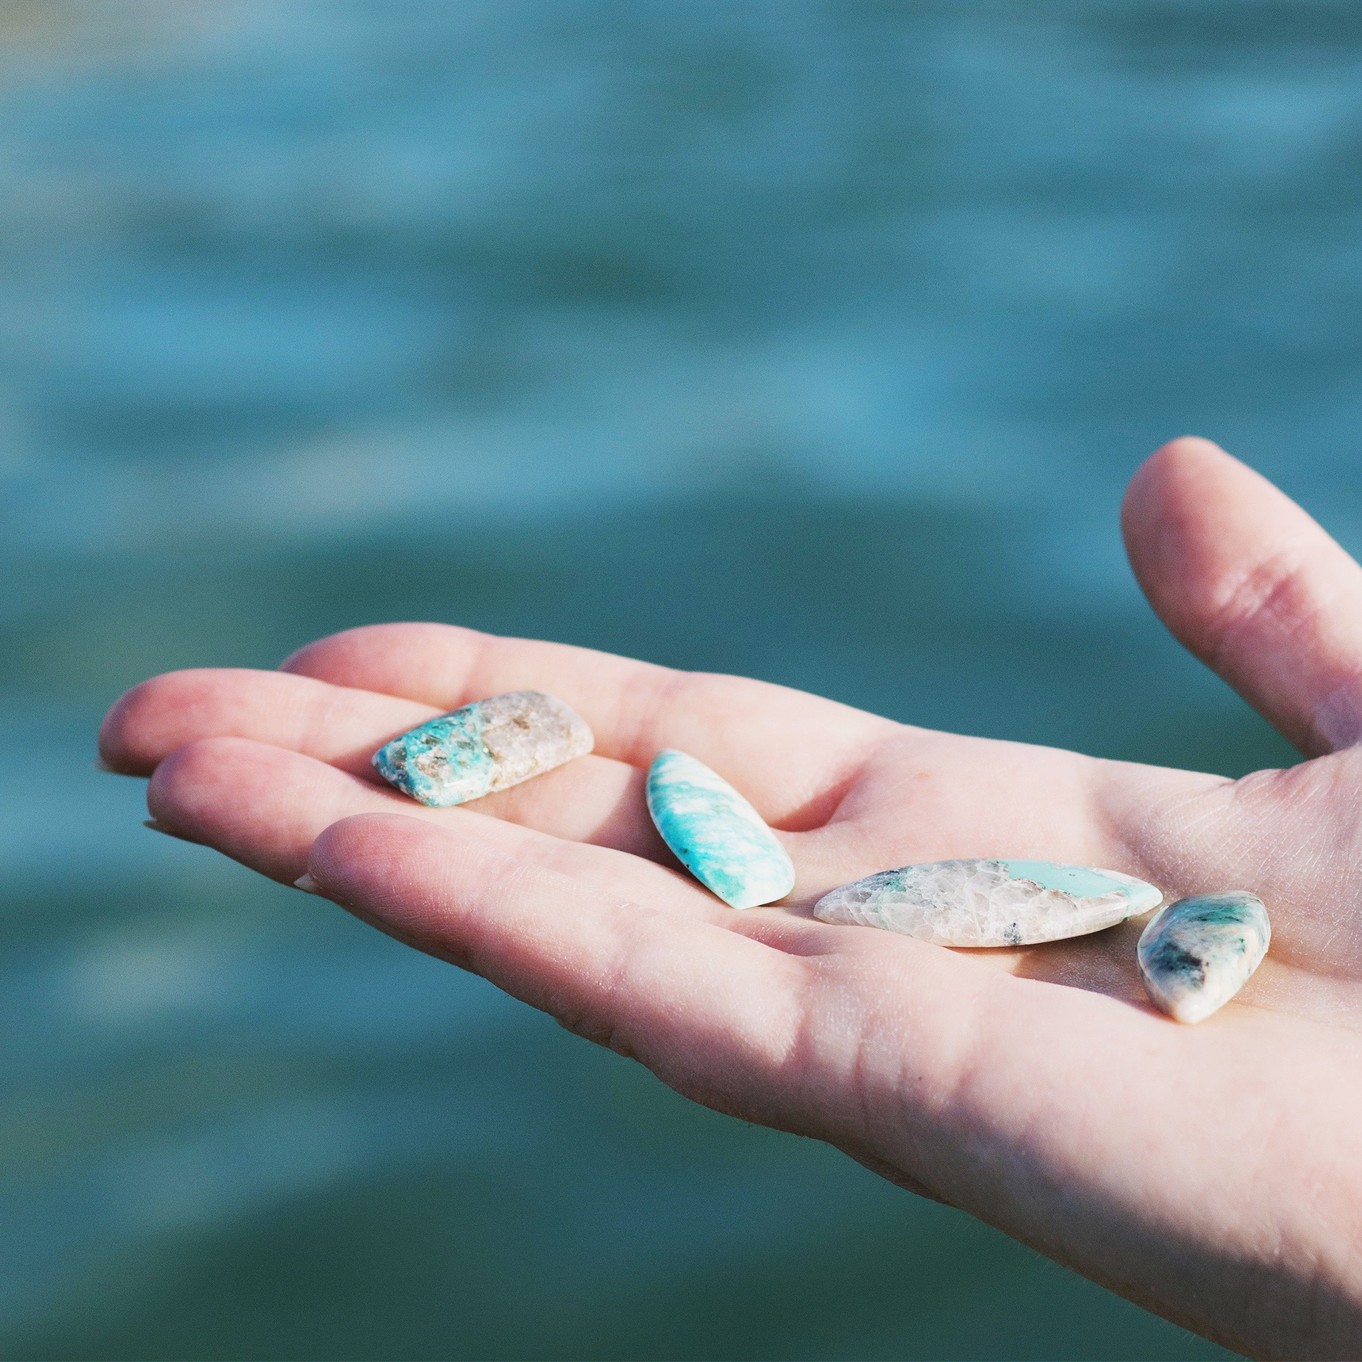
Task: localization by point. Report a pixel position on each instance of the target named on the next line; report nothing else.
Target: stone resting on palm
(1210, 1173)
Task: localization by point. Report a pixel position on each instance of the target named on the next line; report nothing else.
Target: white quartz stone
(989, 902)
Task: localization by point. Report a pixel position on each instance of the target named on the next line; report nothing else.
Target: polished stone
(483, 747)
(1199, 952)
(716, 834)
(988, 902)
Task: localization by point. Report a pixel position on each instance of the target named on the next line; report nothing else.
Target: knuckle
(1275, 596)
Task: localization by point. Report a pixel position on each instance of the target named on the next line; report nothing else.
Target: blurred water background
(808, 340)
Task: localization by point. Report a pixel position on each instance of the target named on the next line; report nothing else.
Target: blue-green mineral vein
(442, 762)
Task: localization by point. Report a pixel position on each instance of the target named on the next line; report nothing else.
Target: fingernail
(483, 747)
(169, 832)
(308, 885)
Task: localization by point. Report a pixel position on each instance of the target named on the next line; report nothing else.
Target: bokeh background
(808, 340)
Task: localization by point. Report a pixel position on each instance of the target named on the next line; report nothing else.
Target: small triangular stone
(1199, 952)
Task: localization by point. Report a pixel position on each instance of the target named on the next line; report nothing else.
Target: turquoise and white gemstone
(484, 747)
(716, 834)
(1199, 952)
(988, 902)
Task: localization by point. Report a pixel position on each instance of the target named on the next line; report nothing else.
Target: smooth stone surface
(484, 747)
(716, 834)
(988, 902)
(1199, 952)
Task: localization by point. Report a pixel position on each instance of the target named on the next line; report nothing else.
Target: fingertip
(1185, 447)
(1252, 585)
(363, 831)
(163, 713)
(1192, 517)
(120, 749)
(186, 790)
(301, 660)
(1186, 451)
(355, 856)
(109, 743)
(415, 882)
(259, 804)
(1168, 475)
(130, 736)
(360, 647)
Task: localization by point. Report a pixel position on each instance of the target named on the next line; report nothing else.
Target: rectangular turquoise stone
(483, 747)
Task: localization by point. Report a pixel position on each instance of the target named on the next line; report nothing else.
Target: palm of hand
(1034, 1087)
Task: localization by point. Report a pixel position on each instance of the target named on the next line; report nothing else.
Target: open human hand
(1208, 1173)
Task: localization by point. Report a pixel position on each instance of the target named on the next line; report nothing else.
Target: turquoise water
(811, 341)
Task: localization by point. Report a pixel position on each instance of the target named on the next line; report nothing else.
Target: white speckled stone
(989, 903)
(1199, 952)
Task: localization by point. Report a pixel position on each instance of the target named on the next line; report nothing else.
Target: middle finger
(264, 805)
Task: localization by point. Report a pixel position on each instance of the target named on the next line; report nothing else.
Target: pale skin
(1210, 1173)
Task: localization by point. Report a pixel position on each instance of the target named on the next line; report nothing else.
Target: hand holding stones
(1077, 1095)
(1193, 957)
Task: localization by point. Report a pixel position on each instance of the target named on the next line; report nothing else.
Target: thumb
(1254, 587)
